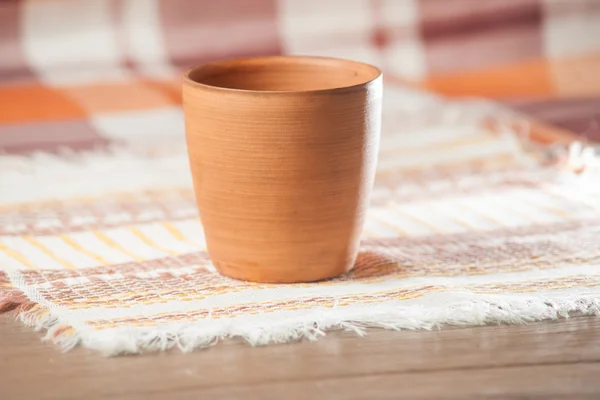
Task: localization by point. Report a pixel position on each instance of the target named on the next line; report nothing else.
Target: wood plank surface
(546, 360)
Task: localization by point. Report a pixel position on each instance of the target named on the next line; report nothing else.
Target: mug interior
(284, 74)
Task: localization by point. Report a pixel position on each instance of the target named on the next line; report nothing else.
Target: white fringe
(497, 309)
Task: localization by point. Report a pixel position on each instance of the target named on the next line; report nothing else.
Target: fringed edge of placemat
(476, 311)
(479, 310)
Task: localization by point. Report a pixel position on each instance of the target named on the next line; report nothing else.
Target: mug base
(250, 274)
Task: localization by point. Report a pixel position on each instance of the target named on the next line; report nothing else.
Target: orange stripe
(519, 213)
(147, 241)
(368, 234)
(395, 271)
(559, 195)
(417, 219)
(389, 224)
(16, 256)
(176, 233)
(370, 298)
(499, 161)
(111, 243)
(441, 146)
(155, 194)
(536, 204)
(68, 240)
(33, 102)
(479, 212)
(577, 75)
(118, 96)
(48, 252)
(458, 221)
(530, 78)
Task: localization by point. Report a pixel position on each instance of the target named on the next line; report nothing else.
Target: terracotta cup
(283, 153)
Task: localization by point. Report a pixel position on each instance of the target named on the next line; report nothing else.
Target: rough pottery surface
(283, 152)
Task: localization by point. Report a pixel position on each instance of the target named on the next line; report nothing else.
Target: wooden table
(546, 360)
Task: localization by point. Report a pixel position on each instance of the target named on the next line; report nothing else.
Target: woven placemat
(469, 223)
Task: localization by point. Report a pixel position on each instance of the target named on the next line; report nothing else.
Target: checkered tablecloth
(80, 74)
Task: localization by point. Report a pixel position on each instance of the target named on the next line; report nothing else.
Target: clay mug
(283, 152)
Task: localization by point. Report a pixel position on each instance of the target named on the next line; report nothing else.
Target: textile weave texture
(470, 222)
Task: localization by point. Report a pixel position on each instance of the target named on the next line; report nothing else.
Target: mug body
(283, 152)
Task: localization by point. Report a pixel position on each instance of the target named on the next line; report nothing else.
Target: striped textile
(471, 220)
(82, 74)
(469, 224)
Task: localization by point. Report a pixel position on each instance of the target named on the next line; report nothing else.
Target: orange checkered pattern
(81, 74)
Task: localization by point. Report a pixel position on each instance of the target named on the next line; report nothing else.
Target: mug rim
(375, 75)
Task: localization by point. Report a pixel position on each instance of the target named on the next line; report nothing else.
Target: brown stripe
(450, 258)
(49, 137)
(10, 296)
(579, 115)
(540, 106)
(479, 34)
(571, 9)
(197, 32)
(468, 17)
(13, 64)
(586, 227)
(346, 300)
(63, 217)
(471, 167)
(148, 195)
(587, 128)
(556, 110)
(199, 259)
(453, 184)
(132, 291)
(59, 218)
(413, 256)
(402, 250)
